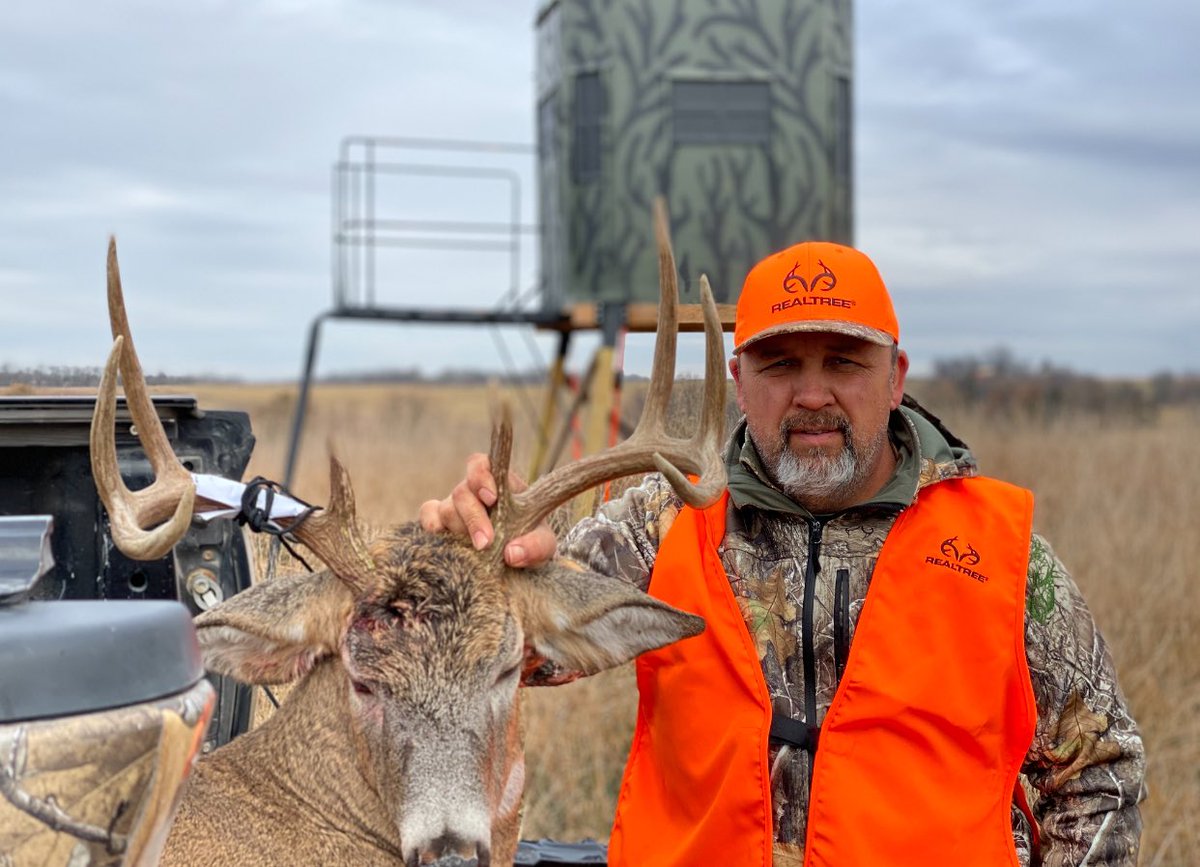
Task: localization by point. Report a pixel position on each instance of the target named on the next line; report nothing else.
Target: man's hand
(464, 513)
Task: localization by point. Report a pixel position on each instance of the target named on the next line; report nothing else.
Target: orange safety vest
(919, 751)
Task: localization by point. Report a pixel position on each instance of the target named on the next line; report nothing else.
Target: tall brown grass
(1119, 499)
(1120, 502)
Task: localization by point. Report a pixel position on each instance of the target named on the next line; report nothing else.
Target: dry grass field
(1117, 497)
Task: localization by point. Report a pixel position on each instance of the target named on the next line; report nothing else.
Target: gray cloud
(1027, 174)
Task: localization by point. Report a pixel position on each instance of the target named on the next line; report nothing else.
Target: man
(892, 659)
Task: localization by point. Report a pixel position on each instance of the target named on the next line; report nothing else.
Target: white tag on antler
(228, 492)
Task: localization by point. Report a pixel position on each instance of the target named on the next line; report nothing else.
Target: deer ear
(587, 622)
(276, 631)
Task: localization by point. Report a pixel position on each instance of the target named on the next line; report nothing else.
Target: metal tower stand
(358, 231)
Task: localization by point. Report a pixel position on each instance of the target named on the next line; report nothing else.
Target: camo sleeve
(1086, 764)
(622, 538)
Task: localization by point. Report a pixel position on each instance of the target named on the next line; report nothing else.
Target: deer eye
(373, 620)
(361, 688)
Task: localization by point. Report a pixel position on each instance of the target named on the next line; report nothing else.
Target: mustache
(808, 422)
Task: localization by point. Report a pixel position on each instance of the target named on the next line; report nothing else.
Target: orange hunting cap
(815, 286)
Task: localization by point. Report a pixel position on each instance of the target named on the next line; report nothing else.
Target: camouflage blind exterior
(738, 111)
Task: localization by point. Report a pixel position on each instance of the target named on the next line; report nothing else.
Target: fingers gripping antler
(649, 447)
(136, 517)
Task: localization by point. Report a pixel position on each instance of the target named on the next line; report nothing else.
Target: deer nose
(454, 861)
(450, 850)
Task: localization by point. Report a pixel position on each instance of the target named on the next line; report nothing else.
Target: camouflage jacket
(1084, 769)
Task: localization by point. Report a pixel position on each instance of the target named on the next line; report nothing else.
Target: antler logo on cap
(824, 280)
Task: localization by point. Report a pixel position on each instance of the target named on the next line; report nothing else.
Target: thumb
(533, 549)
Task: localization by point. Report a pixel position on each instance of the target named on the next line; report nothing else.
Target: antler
(173, 493)
(649, 447)
(332, 534)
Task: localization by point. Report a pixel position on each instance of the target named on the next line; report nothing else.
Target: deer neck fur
(299, 775)
(302, 781)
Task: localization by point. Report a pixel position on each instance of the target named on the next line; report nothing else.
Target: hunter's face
(817, 407)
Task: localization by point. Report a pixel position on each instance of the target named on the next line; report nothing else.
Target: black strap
(786, 731)
(258, 518)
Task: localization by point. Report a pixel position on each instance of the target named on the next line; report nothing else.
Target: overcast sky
(1027, 175)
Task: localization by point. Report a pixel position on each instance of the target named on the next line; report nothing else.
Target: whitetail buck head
(422, 639)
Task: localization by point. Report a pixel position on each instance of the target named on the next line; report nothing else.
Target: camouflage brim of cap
(830, 326)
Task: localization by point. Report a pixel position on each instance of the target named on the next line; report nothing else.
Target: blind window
(588, 110)
(721, 112)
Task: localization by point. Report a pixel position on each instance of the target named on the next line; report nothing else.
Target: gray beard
(818, 481)
(816, 478)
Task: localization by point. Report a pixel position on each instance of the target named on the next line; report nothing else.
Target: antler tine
(500, 457)
(662, 368)
(172, 495)
(332, 533)
(150, 430)
(706, 443)
(500, 453)
(648, 447)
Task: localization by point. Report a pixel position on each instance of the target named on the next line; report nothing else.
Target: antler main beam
(173, 493)
(649, 447)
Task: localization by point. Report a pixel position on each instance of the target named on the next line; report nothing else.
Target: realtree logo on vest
(959, 557)
(825, 280)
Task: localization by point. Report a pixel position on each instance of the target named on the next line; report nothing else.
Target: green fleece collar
(917, 441)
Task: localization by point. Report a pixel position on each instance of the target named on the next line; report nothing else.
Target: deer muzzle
(482, 860)
(444, 820)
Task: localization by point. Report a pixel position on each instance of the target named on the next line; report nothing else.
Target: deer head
(423, 639)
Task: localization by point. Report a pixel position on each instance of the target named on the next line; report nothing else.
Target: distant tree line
(995, 380)
(62, 376)
(463, 376)
(999, 382)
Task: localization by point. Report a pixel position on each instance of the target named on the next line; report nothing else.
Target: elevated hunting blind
(739, 113)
